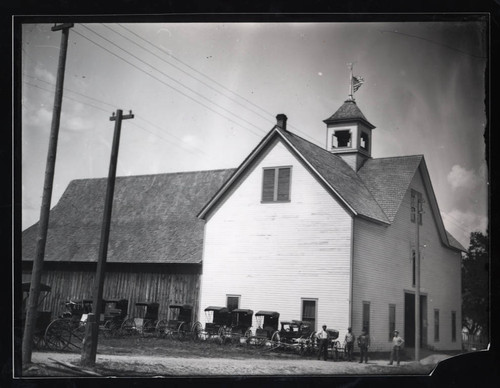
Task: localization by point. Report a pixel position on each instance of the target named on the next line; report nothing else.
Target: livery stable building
(320, 234)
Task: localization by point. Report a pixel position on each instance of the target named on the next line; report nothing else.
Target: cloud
(41, 117)
(461, 178)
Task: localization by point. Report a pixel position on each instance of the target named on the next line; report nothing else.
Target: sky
(204, 95)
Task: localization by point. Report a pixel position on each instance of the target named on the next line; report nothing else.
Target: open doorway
(409, 325)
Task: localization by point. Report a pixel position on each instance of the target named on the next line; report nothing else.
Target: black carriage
(114, 313)
(42, 319)
(267, 328)
(181, 326)
(297, 335)
(68, 330)
(217, 320)
(143, 320)
(241, 323)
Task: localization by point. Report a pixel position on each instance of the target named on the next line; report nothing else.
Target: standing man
(397, 343)
(323, 343)
(364, 344)
(349, 343)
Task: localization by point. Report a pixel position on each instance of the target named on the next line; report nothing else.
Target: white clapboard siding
(382, 272)
(274, 254)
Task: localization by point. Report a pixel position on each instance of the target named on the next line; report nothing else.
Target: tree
(475, 285)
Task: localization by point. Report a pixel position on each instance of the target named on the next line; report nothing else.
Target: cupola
(349, 134)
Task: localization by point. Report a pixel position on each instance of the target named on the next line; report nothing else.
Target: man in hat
(397, 343)
(323, 343)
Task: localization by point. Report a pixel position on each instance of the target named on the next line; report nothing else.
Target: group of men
(363, 344)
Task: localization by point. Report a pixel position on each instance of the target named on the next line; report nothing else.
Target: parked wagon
(298, 336)
(217, 320)
(68, 331)
(241, 323)
(335, 347)
(267, 328)
(43, 318)
(182, 326)
(143, 320)
(113, 315)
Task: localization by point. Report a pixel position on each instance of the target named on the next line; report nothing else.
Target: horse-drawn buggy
(181, 326)
(336, 348)
(217, 320)
(267, 328)
(240, 326)
(114, 312)
(68, 330)
(42, 319)
(297, 336)
(143, 320)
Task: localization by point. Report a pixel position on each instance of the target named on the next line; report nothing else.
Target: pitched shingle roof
(340, 176)
(348, 112)
(153, 221)
(388, 180)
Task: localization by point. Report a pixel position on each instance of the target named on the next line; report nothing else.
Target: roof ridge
(399, 157)
(156, 174)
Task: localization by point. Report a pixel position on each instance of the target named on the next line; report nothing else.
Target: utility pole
(89, 348)
(36, 272)
(417, 280)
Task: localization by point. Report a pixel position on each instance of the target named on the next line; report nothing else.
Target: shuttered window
(366, 317)
(392, 320)
(309, 311)
(276, 184)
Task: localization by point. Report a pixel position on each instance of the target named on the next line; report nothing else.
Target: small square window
(276, 184)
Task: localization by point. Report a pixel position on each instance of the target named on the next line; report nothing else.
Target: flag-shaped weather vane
(355, 82)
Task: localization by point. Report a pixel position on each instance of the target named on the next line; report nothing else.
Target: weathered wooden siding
(137, 286)
(274, 254)
(382, 272)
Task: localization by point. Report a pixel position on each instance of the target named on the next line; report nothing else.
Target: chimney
(281, 121)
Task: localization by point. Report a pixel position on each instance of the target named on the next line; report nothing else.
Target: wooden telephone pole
(36, 272)
(89, 348)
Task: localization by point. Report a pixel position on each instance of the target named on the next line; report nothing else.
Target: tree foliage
(475, 284)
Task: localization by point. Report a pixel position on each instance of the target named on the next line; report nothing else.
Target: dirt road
(133, 365)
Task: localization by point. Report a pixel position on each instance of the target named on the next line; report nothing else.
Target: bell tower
(348, 132)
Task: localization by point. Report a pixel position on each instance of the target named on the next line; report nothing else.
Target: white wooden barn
(328, 235)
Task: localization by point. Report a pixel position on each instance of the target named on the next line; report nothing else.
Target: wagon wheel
(181, 331)
(197, 330)
(128, 327)
(148, 326)
(248, 333)
(77, 335)
(58, 334)
(275, 339)
(160, 328)
(111, 328)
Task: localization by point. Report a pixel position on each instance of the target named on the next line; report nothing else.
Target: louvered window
(276, 184)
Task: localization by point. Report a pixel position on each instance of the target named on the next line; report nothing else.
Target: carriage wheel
(111, 328)
(128, 327)
(58, 334)
(275, 338)
(196, 330)
(248, 333)
(181, 332)
(160, 328)
(148, 326)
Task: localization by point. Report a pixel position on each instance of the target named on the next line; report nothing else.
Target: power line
(204, 75)
(166, 84)
(113, 106)
(107, 111)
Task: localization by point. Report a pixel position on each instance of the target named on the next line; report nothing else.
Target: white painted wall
(382, 271)
(274, 254)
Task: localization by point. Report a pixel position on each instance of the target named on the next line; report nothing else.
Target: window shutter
(283, 184)
(268, 185)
